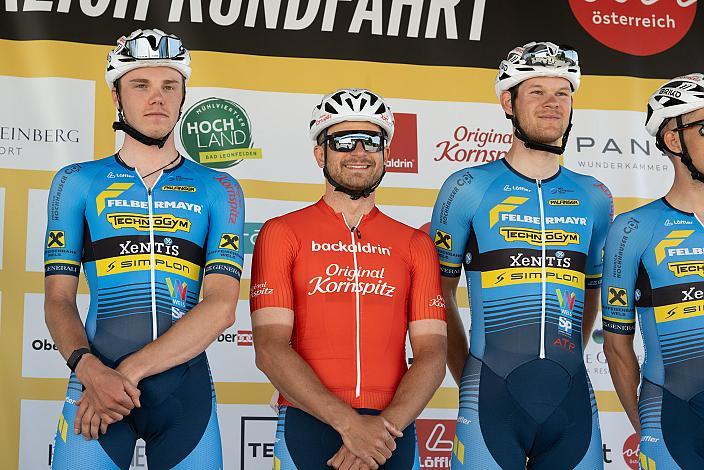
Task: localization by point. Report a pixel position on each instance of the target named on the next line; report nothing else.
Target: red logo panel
(631, 447)
(636, 27)
(435, 437)
(403, 157)
(245, 338)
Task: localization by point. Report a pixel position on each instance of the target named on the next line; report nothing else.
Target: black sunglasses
(692, 124)
(346, 141)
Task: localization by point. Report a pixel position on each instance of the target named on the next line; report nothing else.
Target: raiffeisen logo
(636, 27)
(403, 155)
(218, 133)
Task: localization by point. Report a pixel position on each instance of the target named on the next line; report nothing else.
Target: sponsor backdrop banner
(259, 68)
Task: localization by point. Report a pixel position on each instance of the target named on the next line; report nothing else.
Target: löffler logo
(435, 442)
(636, 27)
(631, 448)
(403, 157)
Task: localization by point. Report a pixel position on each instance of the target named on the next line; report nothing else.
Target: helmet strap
(684, 155)
(530, 143)
(354, 194)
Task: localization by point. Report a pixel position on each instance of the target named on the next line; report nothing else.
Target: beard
(356, 179)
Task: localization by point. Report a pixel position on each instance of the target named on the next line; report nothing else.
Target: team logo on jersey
(63, 427)
(173, 187)
(443, 240)
(113, 191)
(617, 297)
(536, 237)
(687, 268)
(56, 239)
(563, 202)
(161, 222)
(229, 241)
(509, 204)
(673, 239)
(178, 291)
(566, 299)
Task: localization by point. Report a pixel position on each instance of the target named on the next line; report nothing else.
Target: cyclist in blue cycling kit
(529, 234)
(150, 228)
(654, 262)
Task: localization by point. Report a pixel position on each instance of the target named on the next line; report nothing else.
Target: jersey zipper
(152, 255)
(543, 268)
(358, 359)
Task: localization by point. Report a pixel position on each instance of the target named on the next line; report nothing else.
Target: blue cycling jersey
(529, 249)
(654, 264)
(144, 252)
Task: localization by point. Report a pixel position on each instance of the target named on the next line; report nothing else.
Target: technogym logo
(218, 133)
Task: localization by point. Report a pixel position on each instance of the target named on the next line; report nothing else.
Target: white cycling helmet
(352, 104)
(147, 48)
(678, 96)
(538, 59)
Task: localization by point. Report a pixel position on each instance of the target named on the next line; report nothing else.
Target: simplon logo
(672, 240)
(112, 191)
(218, 133)
(507, 205)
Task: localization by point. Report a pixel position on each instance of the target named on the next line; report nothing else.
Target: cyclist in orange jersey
(335, 288)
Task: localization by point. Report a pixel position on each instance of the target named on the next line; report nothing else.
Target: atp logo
(178, 290)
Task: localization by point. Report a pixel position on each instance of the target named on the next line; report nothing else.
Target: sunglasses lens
(142, 48)
(348, 142)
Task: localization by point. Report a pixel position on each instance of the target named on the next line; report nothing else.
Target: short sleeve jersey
(529, 249)
(144, 252)
(654, 264)
(352, 292)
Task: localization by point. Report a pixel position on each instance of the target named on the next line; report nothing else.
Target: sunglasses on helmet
(143, 48)
(346, 141)
(541, 54)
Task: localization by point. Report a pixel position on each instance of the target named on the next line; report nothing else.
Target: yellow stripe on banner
(514, 276)
(131, 263)
(679, 311)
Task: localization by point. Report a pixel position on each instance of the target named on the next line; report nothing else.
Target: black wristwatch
(76, 356)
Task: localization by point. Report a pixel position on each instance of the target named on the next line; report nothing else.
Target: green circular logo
(218, 133)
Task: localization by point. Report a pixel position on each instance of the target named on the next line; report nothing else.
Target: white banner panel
(45, 123)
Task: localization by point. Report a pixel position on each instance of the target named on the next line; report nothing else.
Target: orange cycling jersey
(353, 293)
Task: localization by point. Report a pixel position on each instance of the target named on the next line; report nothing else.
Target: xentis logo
(403, 155)
(637, 27)
(218, 133)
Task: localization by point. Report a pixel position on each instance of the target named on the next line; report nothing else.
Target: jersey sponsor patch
(535, 236)
(229, 241)
(672, 240)
(161, 222)
(112, 191)
(56, 239)
(687, 268)
(563, 202)
(509, 204)
(617, 297)
(443, 240)
(174, 187)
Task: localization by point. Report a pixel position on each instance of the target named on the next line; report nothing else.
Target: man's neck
(352, 209)
(534, 164)
(147, 158)
(687, 194)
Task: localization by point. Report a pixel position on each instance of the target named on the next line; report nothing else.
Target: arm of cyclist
(457, 345)
(191, 335)
(108, 395)
(625, 373)
(592, 298)
(429, 344)
(368, 437)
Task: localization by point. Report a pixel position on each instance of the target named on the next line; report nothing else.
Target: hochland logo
(218, 133)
